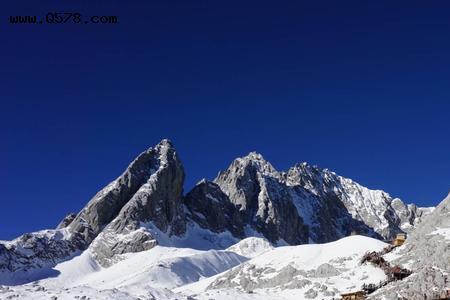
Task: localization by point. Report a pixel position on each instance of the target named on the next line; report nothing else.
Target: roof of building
(353, 293)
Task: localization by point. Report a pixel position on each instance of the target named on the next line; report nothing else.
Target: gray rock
(342, 206)
(248, 277)
(66, 221)
(211, 208)
(427, 253)
(324, 271)
(158, 203)
(108, 203)
(311, 294)
(254, 187)
(33, 251)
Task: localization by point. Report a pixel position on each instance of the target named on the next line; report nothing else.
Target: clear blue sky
(362, 89)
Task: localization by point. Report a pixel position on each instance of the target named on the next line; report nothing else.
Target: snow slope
(157, 270)
(251, 247)
(295, 272)
(250, 269)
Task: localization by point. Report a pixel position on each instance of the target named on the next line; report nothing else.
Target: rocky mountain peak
(107, 203)
(242, 180)
(306, 175)
(165, 148)
(255, 188)
(304, 204)
(254, 161)
(254, 156)
(156, 203)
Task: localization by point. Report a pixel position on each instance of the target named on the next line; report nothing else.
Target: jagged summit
(252, 160)
(163, 147)
(165, 142)
(158, 200)
(253, 155)
(303, 164)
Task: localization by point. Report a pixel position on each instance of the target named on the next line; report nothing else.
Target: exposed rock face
(323, 210)
(426, 252)
(365, 210)
(36, 250)
(243, 179)
(211, 208)
(159, 198)
(66, 221)
(106, 204)
(256, 189)
(158, 201)
(306, 203)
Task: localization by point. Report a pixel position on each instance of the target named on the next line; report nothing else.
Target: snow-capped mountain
(141, 226)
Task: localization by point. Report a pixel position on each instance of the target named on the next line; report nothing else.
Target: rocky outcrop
(426, 252)
(34, 251)
(66, 221)
(210, 207)
(254, 186)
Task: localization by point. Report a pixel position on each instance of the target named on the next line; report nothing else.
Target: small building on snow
(359, 295)
(399, 239)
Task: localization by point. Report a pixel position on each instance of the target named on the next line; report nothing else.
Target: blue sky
(359, 88)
